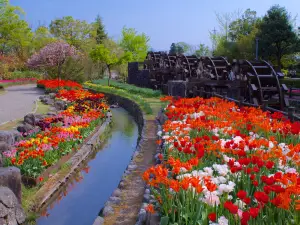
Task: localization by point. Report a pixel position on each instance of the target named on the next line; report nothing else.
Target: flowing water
(81, 200)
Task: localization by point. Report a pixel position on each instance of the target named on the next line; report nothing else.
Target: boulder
(49, 101)
(11, 212)
(99, 221)
(108, 210)
(7, 198)
(52, 95)
(20, 214)
(32, 119)
(117, 193)
(11, 177)
(29, 119)
(25, 128)
(10, 137)
(60, 105)
(4, 146)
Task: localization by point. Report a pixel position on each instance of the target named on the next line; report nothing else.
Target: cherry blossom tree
(53, 56)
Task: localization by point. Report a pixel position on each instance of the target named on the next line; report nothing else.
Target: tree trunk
(279, 63)
(109, 75)
(58, 75)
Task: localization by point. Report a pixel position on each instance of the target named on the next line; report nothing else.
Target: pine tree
(100, 35)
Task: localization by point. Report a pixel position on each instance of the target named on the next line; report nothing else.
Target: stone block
(11, 177)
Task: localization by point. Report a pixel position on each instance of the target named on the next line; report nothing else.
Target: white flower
(159, 133)
(237, 139)
(223, 221)
(229, 197)
(226, 187)
(271, 145)
(208, 170)
(237, 164)
(222, 180)
(211, 198)
(183, 170)
(165, 137)
(240, 204)
(290, 170)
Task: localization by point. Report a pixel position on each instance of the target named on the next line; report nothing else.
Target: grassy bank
(149, 105)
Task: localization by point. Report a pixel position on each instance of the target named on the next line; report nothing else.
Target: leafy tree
(15, 34)
(277, 37)
(100, 30)
(179, 48)
(53, 56)
(135, 43)
(242, 26)
(41, 38)
(173, 49)
(246, 45)
(202, 50)
(75, 32)
(110, 54)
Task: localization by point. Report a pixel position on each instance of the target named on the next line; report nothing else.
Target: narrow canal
(80, 202)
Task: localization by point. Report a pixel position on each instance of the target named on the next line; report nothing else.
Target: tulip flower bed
(226, 165)
(58, 136)
(54, 85)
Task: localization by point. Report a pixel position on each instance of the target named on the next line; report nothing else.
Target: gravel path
(18, 101)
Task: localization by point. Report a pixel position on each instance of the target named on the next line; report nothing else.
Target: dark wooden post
(291, 111)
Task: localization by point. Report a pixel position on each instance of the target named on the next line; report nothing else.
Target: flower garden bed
(52, 86)
(221, 164)
(58, 137)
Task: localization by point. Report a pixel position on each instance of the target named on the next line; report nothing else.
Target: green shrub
(290, 82)
(25, 74)
(145, 92)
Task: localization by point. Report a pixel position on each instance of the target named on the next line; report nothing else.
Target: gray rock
(132, 167)
(20, 214)
(52, 113)
(3, 221)
(49, 101)
(1, 161)
(60, 105)
(7, 197)
(3, 146)
(146, 198)
(52, 95)
(115, 200)
(24, 128)
(108, 210)
(30, 119)
(117, 193)
(99, 221)
(11, 217)
(11, 177)
(7, 137)
(142, 216)
(3, 210)
(152, 201)
(121, 185)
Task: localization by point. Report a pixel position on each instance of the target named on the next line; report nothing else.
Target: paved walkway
(18, 101)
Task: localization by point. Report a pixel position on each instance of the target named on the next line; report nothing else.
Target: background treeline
(66, 48)
(277, 33)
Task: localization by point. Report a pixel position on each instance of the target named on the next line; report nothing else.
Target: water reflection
(79, 202)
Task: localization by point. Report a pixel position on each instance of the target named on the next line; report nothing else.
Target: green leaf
(164, 220)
